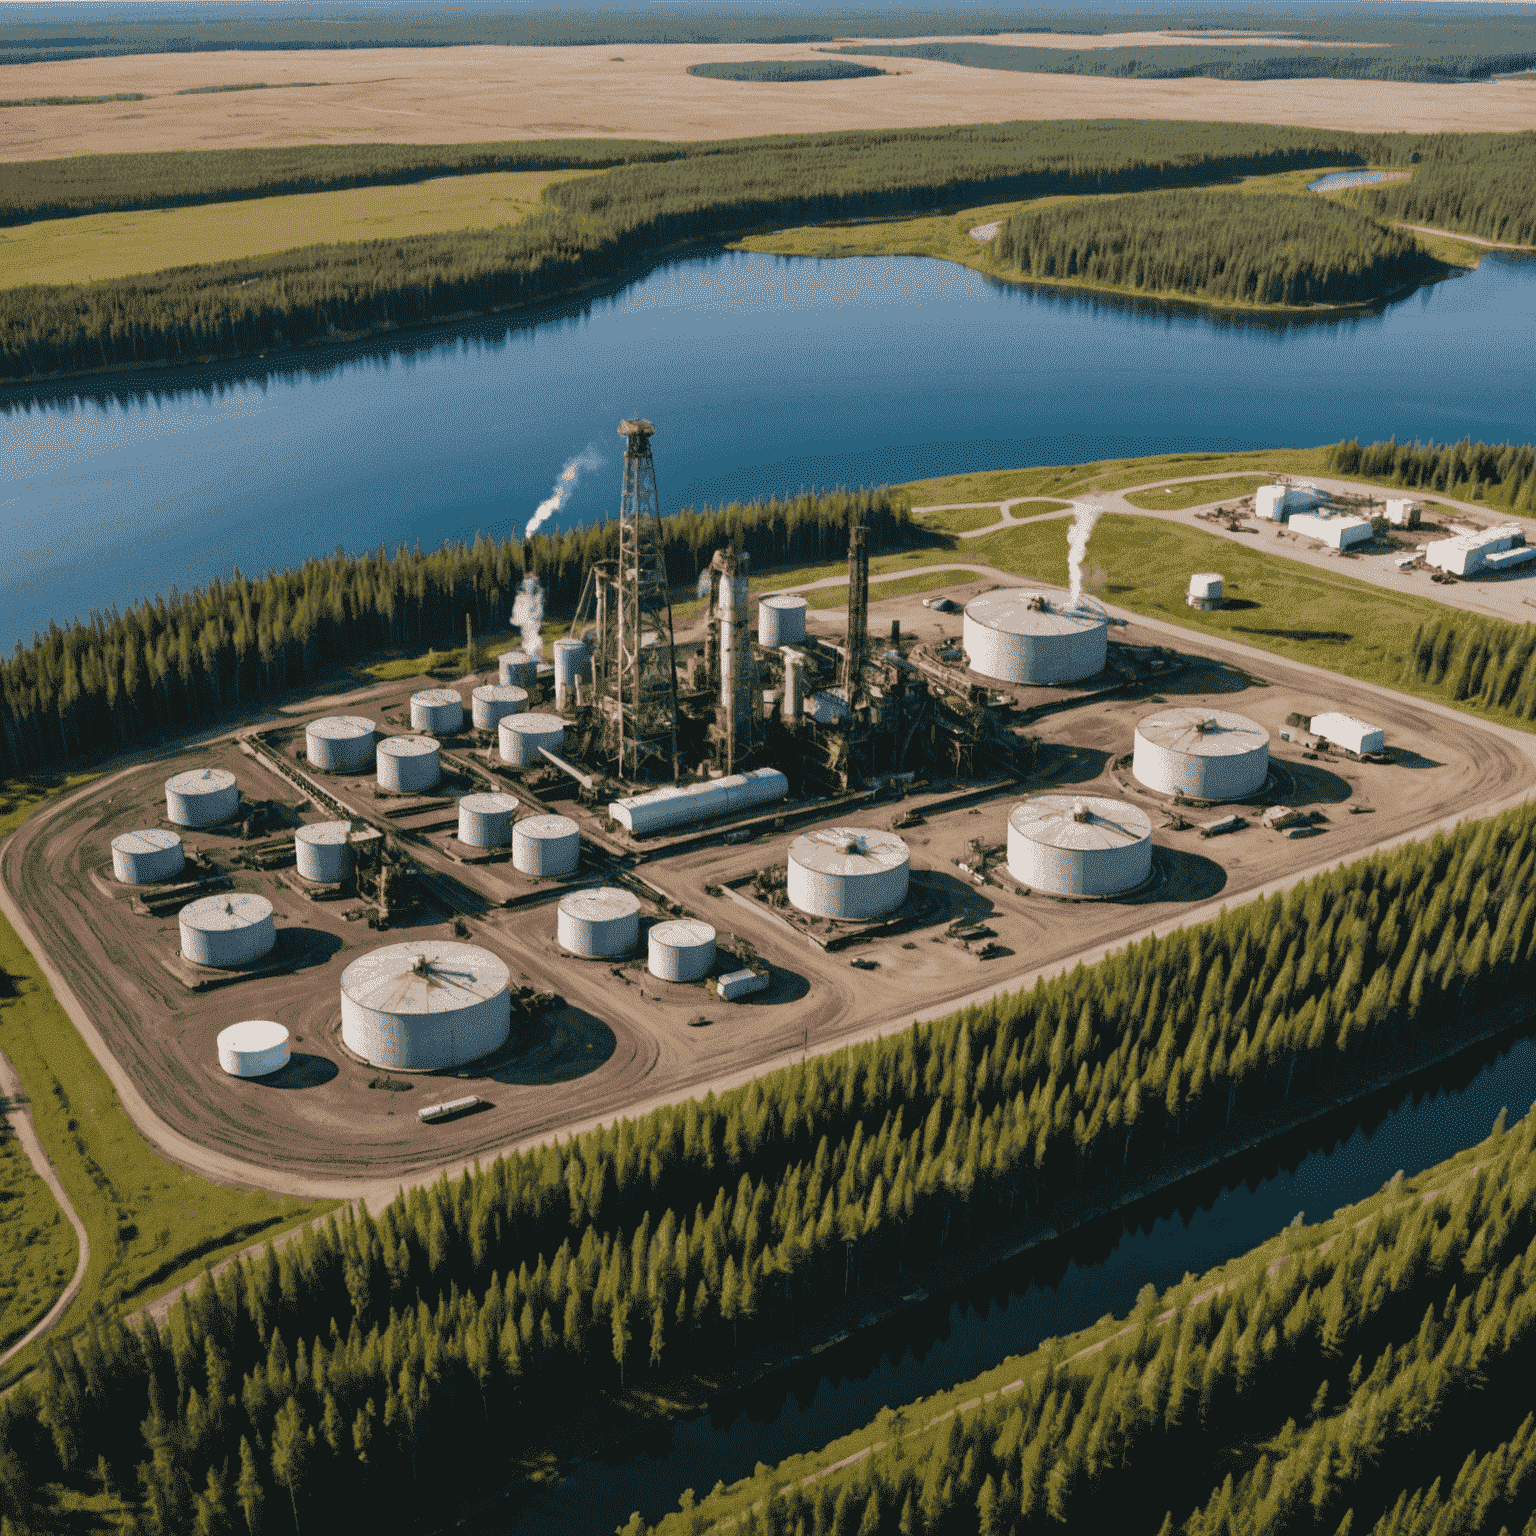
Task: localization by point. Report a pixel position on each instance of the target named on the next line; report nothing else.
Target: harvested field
(461, 95)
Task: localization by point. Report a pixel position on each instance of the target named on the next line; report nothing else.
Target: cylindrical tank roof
(429, 976)
(546, 845)
(534, 725)
(1080, 822)
(221, 914)
(324, 832)
(849, 851)
(1203, 732)
(432, 697)
(601, 905)
(253, 1048)
(408, 746)
(1015, 611)
(150, 840)
(200, 781)
(490, 804)
(337, 728)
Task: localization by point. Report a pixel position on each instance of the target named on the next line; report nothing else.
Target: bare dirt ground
(459, 95)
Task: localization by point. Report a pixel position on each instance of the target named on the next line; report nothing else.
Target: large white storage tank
(781, 620)
(490, 702)
(408, 764)
(1079, 845)
(339, 743)
(202, 797)
(546, 845)
(322, 850)
(517, 668)
(485, 821)
(522, 736)
(227, 930)
(425, 1005)
(1201, 754)
(253, 1048)
(1018, 636)
(674, 806)
(139, 857)
(680, 950)
(850, 873)
(600, 924)
(573, 664)
(437, 709)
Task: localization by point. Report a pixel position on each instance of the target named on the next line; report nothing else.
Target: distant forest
(786, 71)
(1217, 245)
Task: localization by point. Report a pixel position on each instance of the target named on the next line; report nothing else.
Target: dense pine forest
(380, 1365)
(1368, 1379)
(166, 664)
(598, 229)
(786, 71)
(1501, 472)
(1301, 250)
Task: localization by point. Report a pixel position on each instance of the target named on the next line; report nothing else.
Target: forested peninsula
(603, 228)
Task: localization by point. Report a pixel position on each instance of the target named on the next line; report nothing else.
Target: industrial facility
(1201, 754)
(1018, 636)
(1079, 845)
(1481, 549)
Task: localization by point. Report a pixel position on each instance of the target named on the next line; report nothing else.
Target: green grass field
(38, 1251)
(1197, 493)
(964, 519)
(105, 245)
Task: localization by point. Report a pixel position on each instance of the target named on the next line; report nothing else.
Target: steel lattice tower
(645, 683)
(858, 613)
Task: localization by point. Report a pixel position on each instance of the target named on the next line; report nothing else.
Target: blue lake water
(762, 374)
(1337, 180)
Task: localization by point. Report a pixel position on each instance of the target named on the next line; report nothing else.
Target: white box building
(1404, 514)
(1338, 532)
(1491, 549)
(1274, 503)
(1348, 732)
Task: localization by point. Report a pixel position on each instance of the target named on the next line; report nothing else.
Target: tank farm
(681, 835)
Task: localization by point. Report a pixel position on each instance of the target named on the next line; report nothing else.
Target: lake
(761, 373)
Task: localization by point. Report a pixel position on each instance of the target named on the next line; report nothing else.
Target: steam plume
(1084, 517)
(588, 458)
(528, 615)
(703, 589)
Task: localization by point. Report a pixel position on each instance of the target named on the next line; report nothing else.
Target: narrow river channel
(1097, 1269)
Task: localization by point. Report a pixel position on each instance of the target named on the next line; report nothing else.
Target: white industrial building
(421, 1006)
(600, 924)
(339, 743)
(678, 805)
(1019, 636)
(485, 820)
(322, 851)
(1483, 549)
(228, 930)
(1338, 530)
(1275, 503)
(253, 1048)
(848, 873)
(1201, 754)
(546, 845)
(139, 857)
(491, 701)
(521, 736)
(1079, 845)
(680, 950)
(408, 764)
(1404, 514)
(201, 797)
(781, 620)
(1348, 732)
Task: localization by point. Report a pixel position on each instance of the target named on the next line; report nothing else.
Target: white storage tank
(573, 664)
(517, 668)
(1205, 590)
(523, 735)
(253, 1048)
(339, 743)
(601, 924)
(322, 850)
(1269, 503)
(676, 806)
(434, 1003)
(1079, 845)
(408, 764)
(850, 873)
(1202, 754)
(202, 797)
(1018, 636)
(139, 857)
(227, 930)
(546, 845)
(485, 821)
(1347, 732)
(681, 950)
(781, 619)
(490, 702)
(437, 709)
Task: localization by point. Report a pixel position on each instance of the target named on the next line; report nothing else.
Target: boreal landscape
(767, 772)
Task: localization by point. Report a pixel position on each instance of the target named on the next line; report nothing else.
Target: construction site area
(421, 923)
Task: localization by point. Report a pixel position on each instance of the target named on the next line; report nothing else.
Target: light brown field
(458, 95)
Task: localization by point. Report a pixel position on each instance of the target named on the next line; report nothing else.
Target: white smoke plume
(528, 615)
(588, 458)
(703, 589)
(1084, 517)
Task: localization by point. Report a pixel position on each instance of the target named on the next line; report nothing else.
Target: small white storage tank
(852, 873)
(523, 735)
(546, 845)
(681, 950)
(339, 743)
(485, 821)
(139, 857)
(675, 806)
(490, 702)
(1269, 503)
(202, 797)
(227, 930)
(437, 709)
(1079, 845)
(573, 664)
(781, 619)
(408, 764)
(517, 668)
(253, 1048)
(1202, 754)
(1018, 636)
(1205, 590)
(601, 924)
(1348, 732)
(434, 1003)
(322, 850)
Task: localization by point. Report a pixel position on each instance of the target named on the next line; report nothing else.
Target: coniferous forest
(384, 1363)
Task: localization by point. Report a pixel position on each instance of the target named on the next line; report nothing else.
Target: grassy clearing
(106, 245)
(151, 1224)
(919, 581)
(1197, 493)
(450, 666)
(38, 1251)
(965, 519)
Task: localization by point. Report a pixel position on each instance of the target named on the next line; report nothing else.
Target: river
(762, 374)
(1048, 1292)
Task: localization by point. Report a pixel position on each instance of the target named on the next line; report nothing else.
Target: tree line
(165, 664)
(1372, 1380)
(1482, 663)
(1469, 471)
(1217, 245)
(327, 1376)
